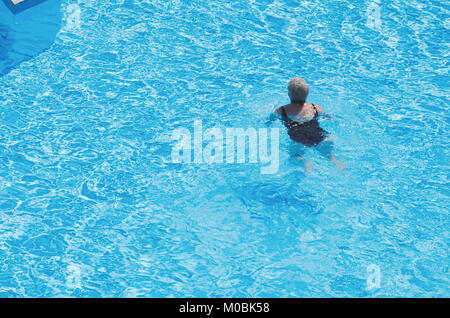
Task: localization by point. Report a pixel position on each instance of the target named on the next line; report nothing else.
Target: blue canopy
(17, 6)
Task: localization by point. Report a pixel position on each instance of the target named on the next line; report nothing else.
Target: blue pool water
(91, 205)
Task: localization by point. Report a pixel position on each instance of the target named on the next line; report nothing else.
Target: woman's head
(298, 90)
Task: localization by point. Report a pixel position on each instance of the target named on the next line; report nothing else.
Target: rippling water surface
(90, 204)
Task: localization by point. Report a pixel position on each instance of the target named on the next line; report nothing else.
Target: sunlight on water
(91, 205)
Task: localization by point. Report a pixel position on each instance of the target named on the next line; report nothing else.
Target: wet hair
(298, 90)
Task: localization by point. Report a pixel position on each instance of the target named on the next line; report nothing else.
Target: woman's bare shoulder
(278, 110)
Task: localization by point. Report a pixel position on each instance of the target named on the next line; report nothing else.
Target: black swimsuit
(309, 133)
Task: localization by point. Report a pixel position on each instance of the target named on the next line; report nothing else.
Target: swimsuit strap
(315, 110)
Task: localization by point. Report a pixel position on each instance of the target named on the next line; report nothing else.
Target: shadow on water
(27, 34)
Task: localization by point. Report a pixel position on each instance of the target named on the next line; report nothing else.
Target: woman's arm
(273, 116)
(322, 112)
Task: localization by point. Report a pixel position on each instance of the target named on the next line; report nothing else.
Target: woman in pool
(301, 120)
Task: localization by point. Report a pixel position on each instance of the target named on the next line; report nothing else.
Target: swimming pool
(91, 205)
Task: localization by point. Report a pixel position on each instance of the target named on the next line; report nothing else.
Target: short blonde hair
(298, 90)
